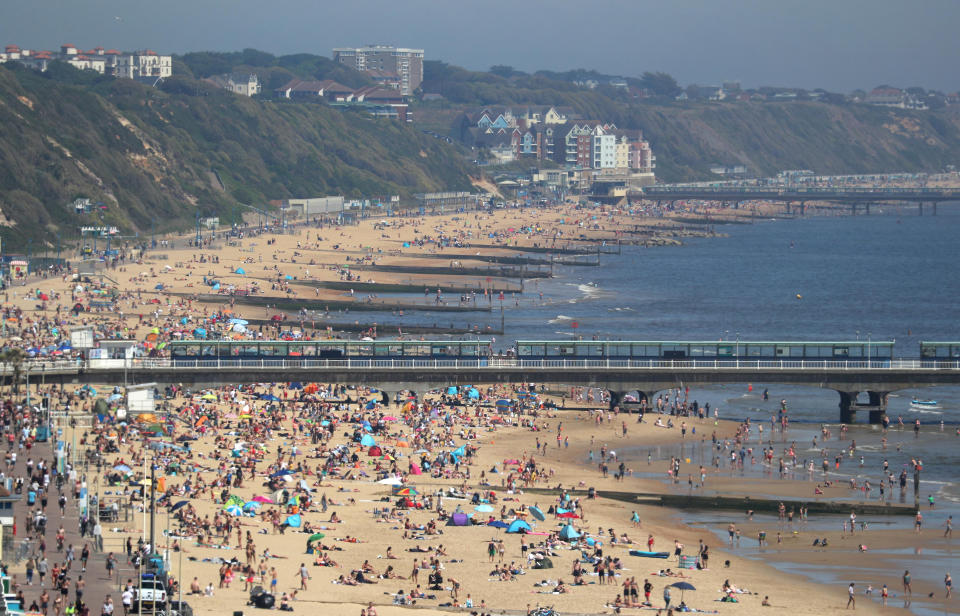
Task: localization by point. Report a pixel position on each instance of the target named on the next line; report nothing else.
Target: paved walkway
(97, 585)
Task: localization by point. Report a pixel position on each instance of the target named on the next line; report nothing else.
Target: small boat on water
(926, 403)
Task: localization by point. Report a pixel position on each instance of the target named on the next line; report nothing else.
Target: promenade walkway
(93, 584)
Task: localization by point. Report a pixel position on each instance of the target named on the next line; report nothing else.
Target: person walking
(907, 588)
(666, 597)
(851, 597)
(304, 576)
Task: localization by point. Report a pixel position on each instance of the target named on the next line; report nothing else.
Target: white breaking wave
(560, 318)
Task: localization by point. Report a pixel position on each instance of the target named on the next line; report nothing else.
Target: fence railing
(37, 368)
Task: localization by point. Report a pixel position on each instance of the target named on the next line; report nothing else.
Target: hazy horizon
(838, 46)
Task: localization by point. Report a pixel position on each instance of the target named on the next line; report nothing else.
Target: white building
(604, 150)
(143, 64)
(244, 84)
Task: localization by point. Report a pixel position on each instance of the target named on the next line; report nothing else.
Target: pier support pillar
(803, 207)
(934, 208)
(848, 406)
(615, 398)
(867, 206)
(920, 208)
(853, 209)
(876, 406)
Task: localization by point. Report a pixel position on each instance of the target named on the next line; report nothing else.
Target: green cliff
(157, 156)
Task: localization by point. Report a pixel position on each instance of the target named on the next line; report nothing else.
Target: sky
(839, 45)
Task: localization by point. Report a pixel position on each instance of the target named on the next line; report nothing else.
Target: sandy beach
(165, 292)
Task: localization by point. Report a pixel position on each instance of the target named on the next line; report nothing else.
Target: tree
(504, 71)
(12, 359)
(660, 84)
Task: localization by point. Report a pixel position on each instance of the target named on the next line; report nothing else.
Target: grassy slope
(768, 137)
(147, 154)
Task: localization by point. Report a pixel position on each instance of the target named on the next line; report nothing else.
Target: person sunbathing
(361, 578)
(366, 567)
(347, 581)
(390, 574)
(325, 561)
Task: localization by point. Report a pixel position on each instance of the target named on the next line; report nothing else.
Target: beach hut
(519, 526)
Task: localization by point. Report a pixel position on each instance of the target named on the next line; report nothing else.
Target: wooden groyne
(492, 272)
(742, 503)
(330, 305)
(418, 287)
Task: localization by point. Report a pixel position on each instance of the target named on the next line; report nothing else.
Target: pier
(878, 378)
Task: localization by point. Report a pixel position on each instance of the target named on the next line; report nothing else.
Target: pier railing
(38, 366)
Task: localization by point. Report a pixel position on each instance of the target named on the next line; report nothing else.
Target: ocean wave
(560, 318)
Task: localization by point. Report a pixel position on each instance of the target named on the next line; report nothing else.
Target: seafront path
(96, 583)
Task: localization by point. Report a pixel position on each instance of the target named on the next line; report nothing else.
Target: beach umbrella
(234, 510)
(483, 508)
(251, 506)
(282, 472)
(368, 441)
(240, 270)
(234, 500)
(537, 513)
(288, 277)
(264, 499)
(683, 586)
(498, 524)
(316, 537)
(294, 521)
(159, 286)
(179, 505)
(569, 515)
(236, 321)
(407, 491)
(390, 481)
(123, 468)
(208, 397)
